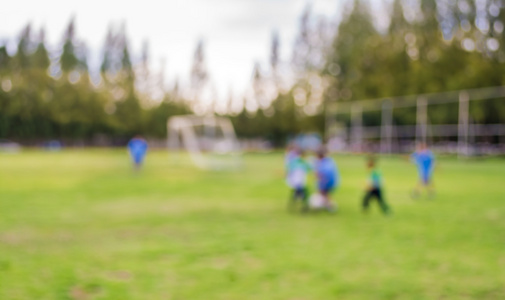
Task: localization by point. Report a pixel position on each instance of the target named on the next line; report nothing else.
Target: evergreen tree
(69, 60)
(398, 25)
(258, 88)
(199, 74)
(126, 63)
(302, 47)
(22, 57)
(395, 47)
(108, 54)
(41, 56)
(353, 52)
(5, 60)
(274, 52)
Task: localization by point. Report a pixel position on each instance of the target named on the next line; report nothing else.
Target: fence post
(331, 114)
(357, 126)
(387, 127)
(463, 124)
(421, 120)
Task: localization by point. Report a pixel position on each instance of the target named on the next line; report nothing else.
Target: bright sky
(236, 32)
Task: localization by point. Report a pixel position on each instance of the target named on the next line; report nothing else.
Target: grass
(79, 225)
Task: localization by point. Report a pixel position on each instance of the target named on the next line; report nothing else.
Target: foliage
(43, 99)
(429, 46)
(438, 49)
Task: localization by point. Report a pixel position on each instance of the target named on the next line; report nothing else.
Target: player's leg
(325, 188)
(325, 192)
(416, 192)
(430, 189)
(333, 204)
(136, 166)
(366, 200)
(133, 160)
(382, 203)
(300, 195)
(305, 199)
(137, 161)
(292, 199)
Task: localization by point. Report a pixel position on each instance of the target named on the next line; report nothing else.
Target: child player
(327, 176)
(291, 154)
(137, 147)
(374, 188)
(297, 170)
(425, 162)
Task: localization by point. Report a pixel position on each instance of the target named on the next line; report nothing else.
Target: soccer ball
(316, 201)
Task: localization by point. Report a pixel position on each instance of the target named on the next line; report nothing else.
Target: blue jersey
(137, 148)
(424, 161)
(327, 173)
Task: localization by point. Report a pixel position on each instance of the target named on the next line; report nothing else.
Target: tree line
(428, 46)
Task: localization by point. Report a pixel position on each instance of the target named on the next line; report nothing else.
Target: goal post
(210, 141)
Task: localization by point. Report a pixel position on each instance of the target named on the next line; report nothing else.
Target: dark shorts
(326, 189)
(300, 193)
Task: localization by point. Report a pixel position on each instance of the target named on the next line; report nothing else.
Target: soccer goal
(210, 141)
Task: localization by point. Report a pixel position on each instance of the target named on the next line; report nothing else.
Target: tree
(353, 53)
(143, 84)
(71, 59)
(199, 75)
(5, 60)
(41, 56)
(274, 52)
(22, 57)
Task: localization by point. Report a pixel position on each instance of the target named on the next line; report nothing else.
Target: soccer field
(80, 225)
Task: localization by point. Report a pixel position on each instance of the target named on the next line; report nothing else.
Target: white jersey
(297, 178)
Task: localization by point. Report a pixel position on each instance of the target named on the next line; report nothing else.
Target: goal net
(210, 141)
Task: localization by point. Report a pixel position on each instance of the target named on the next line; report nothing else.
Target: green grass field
(80, 225)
